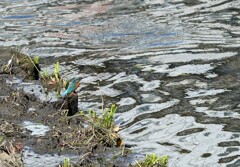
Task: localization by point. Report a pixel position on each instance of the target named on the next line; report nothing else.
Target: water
(31, 158)
(36, 128)
(172, 66)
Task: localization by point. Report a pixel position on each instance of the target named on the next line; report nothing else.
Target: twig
(62, 105)
(123, 149)
(52, 115)
(90, 139)
(138, 164)
(76, 115)
(69, 145)
(33, 113)
(101, 97)
(84, 155)
(8, 66)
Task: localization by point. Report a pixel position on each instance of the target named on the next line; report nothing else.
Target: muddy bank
(44, 128)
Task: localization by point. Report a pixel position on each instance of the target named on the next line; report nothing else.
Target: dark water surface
(171, 65)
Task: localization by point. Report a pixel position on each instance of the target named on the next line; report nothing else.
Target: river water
(172, 66)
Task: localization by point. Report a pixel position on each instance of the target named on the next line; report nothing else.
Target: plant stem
(35, 66)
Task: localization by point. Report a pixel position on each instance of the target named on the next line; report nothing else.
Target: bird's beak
(77, 85)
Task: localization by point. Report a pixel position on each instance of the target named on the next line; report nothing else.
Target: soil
(16, 107)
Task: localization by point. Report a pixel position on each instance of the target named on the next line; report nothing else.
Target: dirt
(16, 106)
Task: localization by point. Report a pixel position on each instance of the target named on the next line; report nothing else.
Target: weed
(53, 80)
(154, 161)
(45, 74)
(105, 121)
(107, 118)
(56, 71)
(66, 162)
(36, 59)
(99, 130)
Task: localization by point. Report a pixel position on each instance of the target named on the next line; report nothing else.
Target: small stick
(35, 66)
(123, 149)
(101, 97)
(138, 164)
(62, 105)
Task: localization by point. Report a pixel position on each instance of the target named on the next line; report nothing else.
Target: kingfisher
(74, 84)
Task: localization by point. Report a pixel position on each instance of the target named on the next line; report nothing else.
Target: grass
(56, 71)
(54, 76)
(30, 68)
(107, 120)
(45, 74)
(36, 59)
(53, 81)
(66, 162)
(103, 127)
(93, 131)
(154, 161)
(99, 132)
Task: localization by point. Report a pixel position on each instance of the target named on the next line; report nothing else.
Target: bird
(74, 84)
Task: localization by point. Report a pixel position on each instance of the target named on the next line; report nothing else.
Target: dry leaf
(114, 135)
(119, 142)
(53, 79)
(116, 129)
(51, 82)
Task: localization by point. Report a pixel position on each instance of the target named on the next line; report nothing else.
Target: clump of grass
(53, 80)
(56, 71)
(31, 63)
(45, 74)
(54, 76)
(107, 120)
(36, 59)
(25, 62)
(95, 131)
(154, 161)
(29, 67)
(66, 163)
(103, 127)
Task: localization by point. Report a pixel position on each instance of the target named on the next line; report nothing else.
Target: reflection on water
(163, 136)
(171, 66)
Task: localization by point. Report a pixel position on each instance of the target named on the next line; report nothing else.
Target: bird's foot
(74, 94)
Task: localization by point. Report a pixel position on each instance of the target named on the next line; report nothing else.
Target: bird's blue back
(71, 87)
